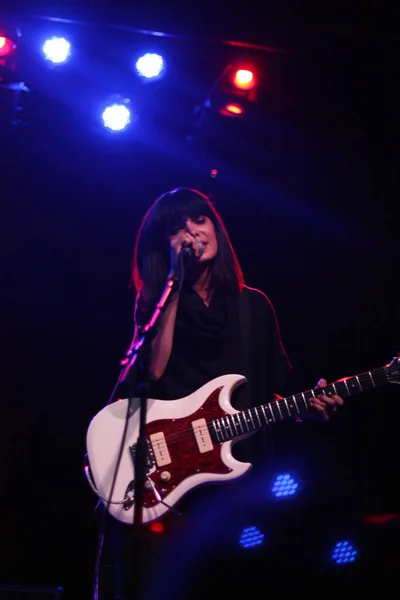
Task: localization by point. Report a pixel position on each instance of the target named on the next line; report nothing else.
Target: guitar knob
(165, 476)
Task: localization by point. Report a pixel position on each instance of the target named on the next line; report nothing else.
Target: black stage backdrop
(309, 191)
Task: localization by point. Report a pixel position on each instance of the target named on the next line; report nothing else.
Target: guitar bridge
(129, 499)
(150, 461)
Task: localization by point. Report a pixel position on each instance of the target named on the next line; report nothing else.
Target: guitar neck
(298, 404)
(255, 418)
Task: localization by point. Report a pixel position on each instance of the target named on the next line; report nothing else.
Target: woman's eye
(200, 220)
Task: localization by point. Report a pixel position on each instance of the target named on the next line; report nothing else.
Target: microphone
(188, 252)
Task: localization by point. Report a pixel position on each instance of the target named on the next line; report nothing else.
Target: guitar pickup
(160, 449)
(202, 435)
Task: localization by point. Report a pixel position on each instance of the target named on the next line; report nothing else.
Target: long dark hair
(151, 261)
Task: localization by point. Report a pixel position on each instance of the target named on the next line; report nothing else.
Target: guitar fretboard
(247, 421)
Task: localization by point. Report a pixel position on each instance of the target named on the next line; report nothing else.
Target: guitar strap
(260, 446)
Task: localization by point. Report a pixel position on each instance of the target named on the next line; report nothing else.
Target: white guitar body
(178, 465)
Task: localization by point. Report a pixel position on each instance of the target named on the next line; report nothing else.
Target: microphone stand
(141, 352)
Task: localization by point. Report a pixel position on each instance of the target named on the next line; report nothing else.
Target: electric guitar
(189, 441)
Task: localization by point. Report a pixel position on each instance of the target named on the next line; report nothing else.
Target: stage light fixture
(284, 486)
(235, 92)
(116, 117)
(150, 66)
(6, 47)
(231, 109)
(12, 90)
(344, 553)
(57, 50)
(244, 79)
(251, 537)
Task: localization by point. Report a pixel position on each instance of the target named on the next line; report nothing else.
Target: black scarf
(206, 343)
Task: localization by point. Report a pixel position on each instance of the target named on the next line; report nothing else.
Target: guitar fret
(245, 422)
(295, 403)
(287, 406)
(277, 404)
(334, 389)
(251, 418)
(271, 413)
(234, 424)
(241, 424)
(240, 418)
(222, 428)
(275, 411)
(267, 419)
(372, 379)
(229, 425)
(238, 424)
(359, 384)
(352, 382)
(347, 387)
(257, 415)
(216, 430)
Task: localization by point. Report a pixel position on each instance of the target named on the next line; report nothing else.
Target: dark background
(309, 191)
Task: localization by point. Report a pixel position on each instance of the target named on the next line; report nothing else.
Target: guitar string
(308, 395)
(189, 432)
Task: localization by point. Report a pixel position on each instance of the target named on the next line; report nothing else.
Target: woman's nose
(190, 229)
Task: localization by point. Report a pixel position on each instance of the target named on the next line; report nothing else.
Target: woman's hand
(323, 405)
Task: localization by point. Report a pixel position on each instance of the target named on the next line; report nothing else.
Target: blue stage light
(150, 66)
(251, 537)
(344, 553)
(116, 117)
(57, 50)
(284, 486)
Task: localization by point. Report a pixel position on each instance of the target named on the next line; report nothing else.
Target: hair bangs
(175, 207)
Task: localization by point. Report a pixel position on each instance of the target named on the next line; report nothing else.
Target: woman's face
(203, 230)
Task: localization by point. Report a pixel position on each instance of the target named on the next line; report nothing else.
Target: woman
(212, 325)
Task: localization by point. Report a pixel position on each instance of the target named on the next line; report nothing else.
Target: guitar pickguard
(186, 459)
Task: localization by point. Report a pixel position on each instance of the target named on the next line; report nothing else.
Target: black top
(207, 343)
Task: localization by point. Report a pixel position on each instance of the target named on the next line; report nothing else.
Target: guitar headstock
(393, 369)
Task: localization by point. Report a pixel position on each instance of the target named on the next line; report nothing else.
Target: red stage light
(231, 110)
(6, 46)
(244, 79)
